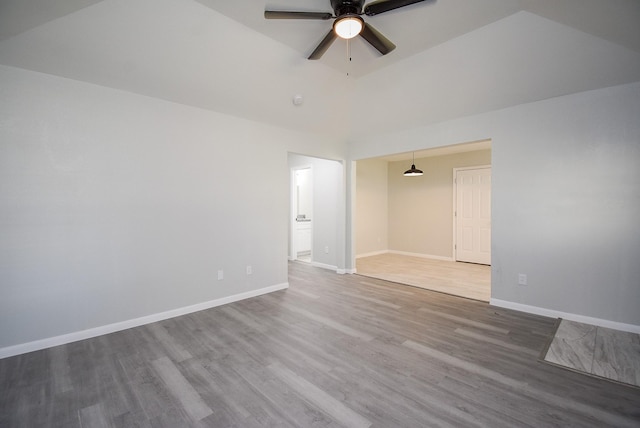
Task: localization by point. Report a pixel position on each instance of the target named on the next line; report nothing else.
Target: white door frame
(455, 204)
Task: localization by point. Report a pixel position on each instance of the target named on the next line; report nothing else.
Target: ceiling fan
(348, 23)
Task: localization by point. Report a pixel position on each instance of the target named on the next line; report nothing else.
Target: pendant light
(413, 172)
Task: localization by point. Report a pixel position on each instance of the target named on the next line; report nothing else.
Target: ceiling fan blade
(324, 45)
(381, 6)
(281, 14)
(376, 39)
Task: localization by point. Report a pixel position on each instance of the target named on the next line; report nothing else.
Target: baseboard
(423, 256)
(324, 266)
(333, 268)
(631, 328)
(406, 253)
(373, 253)
(49, 342)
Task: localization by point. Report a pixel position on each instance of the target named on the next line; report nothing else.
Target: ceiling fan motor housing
(347, 7)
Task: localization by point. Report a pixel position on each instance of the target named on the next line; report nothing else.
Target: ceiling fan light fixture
(348, 27)
(347, 22)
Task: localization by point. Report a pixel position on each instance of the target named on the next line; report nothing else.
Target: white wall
(328, 209)
(372, 209)
(565, 198)
(115, 206)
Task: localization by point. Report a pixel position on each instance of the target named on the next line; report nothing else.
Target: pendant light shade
(413, 172)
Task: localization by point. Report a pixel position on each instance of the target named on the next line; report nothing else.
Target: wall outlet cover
(522, 279)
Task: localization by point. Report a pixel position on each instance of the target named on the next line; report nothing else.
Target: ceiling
(438, 151)
(413, 29)
(224, 56)
(421, 26)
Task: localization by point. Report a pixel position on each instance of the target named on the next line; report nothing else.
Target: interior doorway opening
(317, 211)
(302, 213)
(405, 227)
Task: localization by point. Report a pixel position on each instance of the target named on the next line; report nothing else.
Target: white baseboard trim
(350, 271)
(333, 268)
(406, 253)
(49, 342)
(373, 253)
(631, 328)
(324, 266)
(423, 256)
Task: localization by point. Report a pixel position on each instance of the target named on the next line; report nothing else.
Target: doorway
(317, 211)
(406, 227)
(302, 213)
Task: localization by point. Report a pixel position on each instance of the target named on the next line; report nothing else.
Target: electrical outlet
(249, 270)
(522, 279)
(326, 249)
(220, 275)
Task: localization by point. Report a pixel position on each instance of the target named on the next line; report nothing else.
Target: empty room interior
(231, 214)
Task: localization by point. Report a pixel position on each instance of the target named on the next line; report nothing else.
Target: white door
(473, 215)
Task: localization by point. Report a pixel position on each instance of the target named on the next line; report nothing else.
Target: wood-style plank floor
(469, 280)
(331, 351)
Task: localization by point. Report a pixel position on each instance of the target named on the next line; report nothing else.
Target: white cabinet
(303, 236)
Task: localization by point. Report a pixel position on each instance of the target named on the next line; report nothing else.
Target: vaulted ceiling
(453, 57)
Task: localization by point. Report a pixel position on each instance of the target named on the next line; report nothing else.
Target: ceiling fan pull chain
(349, 56)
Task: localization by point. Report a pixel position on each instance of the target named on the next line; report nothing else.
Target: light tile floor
(598, 351)
(468, 280)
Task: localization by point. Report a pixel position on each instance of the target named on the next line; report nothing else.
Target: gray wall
(565, 198)
(115, 206)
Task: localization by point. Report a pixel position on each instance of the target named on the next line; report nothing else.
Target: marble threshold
(597, 351)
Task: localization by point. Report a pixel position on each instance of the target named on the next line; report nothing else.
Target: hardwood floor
(331, 351)
(468, 280)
